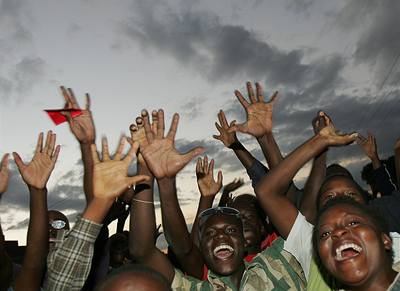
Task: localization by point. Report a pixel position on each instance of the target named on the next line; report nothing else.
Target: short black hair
(376, 219)
(363, 193)
(138, 269)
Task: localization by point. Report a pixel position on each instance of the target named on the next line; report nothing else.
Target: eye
(209, 232)
(350, 194)
(231, 230)
(353, 223)
(324, 234)
(330, 195)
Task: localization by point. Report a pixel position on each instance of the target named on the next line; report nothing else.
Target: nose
(338, 232)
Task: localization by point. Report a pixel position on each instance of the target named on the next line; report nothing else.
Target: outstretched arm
(35, 175)
(165, 162)
(208, 188)
(82, 127)
(272, 188)
(70, 263)
(381, 177)
(259, 125)
(317, 175)
(255, 169)
(5, 261)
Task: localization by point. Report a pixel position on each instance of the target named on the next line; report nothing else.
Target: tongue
(223, 254)
(348, 253)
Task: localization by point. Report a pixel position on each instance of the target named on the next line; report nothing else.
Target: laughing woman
(353, 247)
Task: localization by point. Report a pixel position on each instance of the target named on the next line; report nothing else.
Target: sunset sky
(188, 57)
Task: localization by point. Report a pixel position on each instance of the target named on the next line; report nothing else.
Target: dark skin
(208, 187)
(272, 188)
(316, 177)
(370, 269)
(82, 127)
(221, 229)
(339, 186)
(164, 161)
(253, 229)
(259, 125)
(133, 281)
(36, 174)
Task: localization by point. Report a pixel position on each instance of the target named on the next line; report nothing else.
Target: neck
(380, 282)
(236, 277)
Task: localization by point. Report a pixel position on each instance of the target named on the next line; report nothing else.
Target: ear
(387, 241)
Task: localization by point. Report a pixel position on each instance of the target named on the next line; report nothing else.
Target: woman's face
(350, 247)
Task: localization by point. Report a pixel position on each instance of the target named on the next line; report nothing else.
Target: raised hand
(205, 177)
(159, 153)
(81, 126)
(258, 112)
(37, 172)
(368, 145)
(234, 185)
(138, 133)
(4, 174)
(318, 123)
(110, 175)
(331, 135)
(225, 136)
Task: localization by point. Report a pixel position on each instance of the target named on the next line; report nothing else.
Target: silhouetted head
(134, 278)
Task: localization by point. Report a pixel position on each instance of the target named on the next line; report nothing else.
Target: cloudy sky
(188, 56)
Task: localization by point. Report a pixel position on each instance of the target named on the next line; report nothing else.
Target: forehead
(220, 219)
(339, 211)
(55, 215)
(339, 183)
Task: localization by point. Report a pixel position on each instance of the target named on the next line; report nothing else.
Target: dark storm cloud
(379, 41)
(20, 68)
(221, 52)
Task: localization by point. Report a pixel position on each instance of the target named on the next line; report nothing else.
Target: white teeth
(341, 248)
(221, 247)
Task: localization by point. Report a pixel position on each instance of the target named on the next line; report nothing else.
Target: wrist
(236, 145)
(97, 209)
(34, 189)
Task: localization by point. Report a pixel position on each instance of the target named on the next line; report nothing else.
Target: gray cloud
(21, 69)
(379, 43)
(221, 52)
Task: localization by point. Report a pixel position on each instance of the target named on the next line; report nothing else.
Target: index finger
(241, 99)
(174, 127)
(73, 99)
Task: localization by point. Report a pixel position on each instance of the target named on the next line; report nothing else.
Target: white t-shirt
(299, 243)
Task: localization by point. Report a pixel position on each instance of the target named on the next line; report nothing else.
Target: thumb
(192, 153)
(137, 179)
(18, 161)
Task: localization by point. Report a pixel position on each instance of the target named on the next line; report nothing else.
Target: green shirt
(272, 269)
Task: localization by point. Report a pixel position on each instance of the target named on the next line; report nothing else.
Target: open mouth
(223, 251)
(347, 251)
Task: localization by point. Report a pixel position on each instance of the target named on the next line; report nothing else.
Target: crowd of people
(330, 235)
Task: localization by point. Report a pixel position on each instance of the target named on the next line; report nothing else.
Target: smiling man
(222, 242)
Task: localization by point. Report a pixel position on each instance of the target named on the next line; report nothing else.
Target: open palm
(110, 175)
(37, 172)
(159, 153)
(82, 126)
(205, 177)
(258, 112)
